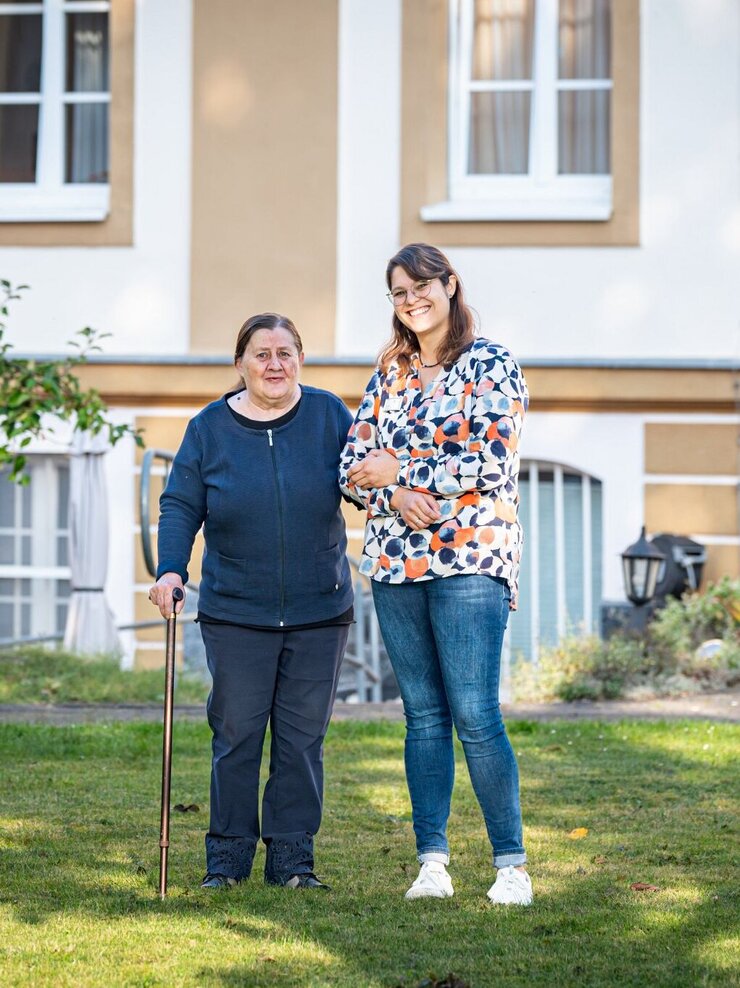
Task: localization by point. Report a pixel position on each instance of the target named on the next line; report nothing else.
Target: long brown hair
(263, 320)
(422, 262)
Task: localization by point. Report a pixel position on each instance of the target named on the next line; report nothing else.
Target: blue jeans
(444, 639)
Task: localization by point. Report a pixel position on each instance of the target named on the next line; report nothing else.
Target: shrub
(691, 644)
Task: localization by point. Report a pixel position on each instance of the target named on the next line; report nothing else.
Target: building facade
(169, 168)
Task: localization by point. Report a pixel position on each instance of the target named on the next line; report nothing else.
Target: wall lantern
(641, 564)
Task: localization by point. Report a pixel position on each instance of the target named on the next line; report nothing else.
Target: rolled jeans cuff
(441, 856)
(511, 858)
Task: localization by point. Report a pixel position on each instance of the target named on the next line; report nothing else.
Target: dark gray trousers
(289, 679)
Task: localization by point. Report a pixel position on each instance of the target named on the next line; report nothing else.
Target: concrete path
(706, 706)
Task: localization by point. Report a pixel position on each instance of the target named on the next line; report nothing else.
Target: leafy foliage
(691, 644)
(32, 390)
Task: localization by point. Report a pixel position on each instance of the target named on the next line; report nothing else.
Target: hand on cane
(161, 594)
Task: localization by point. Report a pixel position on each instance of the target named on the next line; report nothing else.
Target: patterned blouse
(458, 440)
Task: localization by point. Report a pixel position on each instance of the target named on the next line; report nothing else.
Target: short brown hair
(264, 320)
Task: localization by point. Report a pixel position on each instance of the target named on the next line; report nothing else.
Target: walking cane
(169, 690)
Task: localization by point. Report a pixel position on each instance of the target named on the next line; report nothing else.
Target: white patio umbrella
(90, 628)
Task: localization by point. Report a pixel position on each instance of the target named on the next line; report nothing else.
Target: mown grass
(33, 674)
(78, 870)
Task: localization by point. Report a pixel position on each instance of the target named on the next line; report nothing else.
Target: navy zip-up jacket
(269, 503)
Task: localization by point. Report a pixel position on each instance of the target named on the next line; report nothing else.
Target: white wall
(140, 294)
(368, 169)
(676, 295)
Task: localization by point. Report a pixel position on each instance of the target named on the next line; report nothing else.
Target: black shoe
(218, 882)
(307, 881)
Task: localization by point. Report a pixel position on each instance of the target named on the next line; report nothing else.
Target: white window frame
(50, 198)
(44, 531)
(543, 194)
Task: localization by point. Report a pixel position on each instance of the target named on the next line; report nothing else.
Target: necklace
(428, 366)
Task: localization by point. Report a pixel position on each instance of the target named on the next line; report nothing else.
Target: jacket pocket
(329, 569)
(230, 577)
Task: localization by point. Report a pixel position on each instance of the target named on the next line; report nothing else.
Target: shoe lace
(430, 874)
(510, 878)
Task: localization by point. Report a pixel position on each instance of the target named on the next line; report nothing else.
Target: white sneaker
(511, 888)
(433, 882)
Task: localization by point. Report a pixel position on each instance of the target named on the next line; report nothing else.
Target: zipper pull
(269, 436)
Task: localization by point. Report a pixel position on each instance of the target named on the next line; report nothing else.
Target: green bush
(691, 644)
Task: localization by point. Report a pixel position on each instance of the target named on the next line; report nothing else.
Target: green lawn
(79, 829)
(34, 674)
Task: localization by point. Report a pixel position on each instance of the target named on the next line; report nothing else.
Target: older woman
(258, 470)
(433, 457)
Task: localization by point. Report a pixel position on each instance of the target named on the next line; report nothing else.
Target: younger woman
(433, 457)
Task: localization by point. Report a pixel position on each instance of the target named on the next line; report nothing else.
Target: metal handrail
(144, 501)
(58, 636)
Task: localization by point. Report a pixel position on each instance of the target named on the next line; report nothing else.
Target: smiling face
(269, 367)
(428, 318)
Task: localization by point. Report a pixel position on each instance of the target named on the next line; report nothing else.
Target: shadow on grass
(80, 841)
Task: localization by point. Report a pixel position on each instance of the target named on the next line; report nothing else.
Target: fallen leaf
(579, 833)
(599, 859)
(643, 887)
(189, 808)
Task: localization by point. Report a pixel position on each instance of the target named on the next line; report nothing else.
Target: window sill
(516, 210)
(70, 203)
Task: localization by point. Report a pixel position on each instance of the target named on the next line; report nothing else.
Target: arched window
(560, 581)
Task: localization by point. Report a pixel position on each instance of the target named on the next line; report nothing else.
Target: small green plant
(682, 626)
(691, 644)
(31, 390)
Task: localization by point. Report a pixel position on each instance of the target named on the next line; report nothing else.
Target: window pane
(7, 588)
(26, 550)
(499, 134)
(62, 551)
(596, 545)
(61, 618)
(573, 543)
(26, 504)
(7, 502)
(25, 620)
(87, 142)
(546, 553)
(87, 53)
(20, 53)
(583, 132)
(585, 34)
(7, 549)
(502, 41)
(63, 497)
(19, 127)
(6, 621)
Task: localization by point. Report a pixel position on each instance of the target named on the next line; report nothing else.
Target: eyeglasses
(419, 289)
